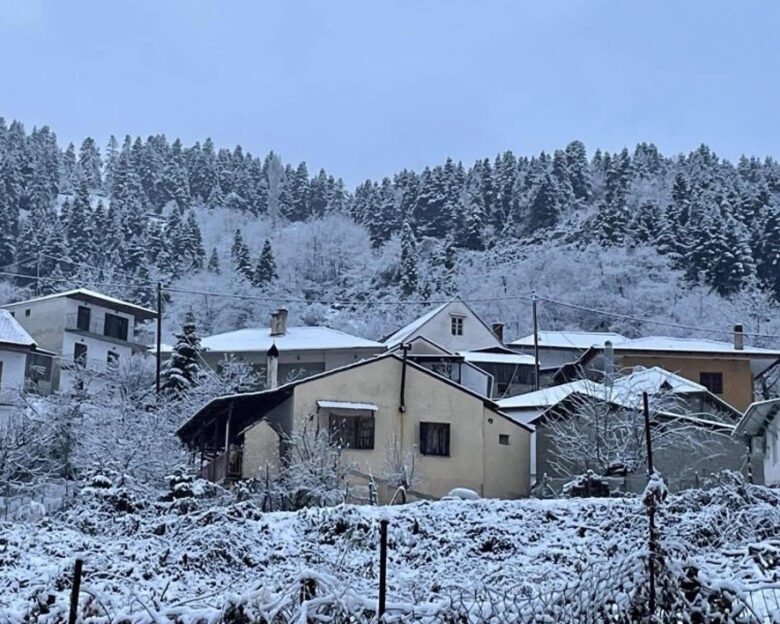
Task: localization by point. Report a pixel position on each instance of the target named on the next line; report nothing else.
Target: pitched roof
(407, 330)
(484, 357)
(304, 338)
(287, 389)
(569, 339)
(11, 333)
(757, 417)
(692, 345)
(97, 298)
(547, 397)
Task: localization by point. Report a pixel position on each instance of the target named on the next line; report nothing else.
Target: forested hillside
(689, 239)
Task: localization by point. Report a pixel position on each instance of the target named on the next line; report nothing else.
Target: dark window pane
(80, 354)
(503, 438)
(83, 318)
(354, 432)
(115, 327)
(434, 438)
(712, 381)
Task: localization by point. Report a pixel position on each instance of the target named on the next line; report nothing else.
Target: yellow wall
(737, 377)
(476, 460)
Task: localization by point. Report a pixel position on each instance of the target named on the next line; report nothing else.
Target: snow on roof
(91, 294)
(547, 397)
(412, 327)
(652, 380)
(347, 405)
(757, 416)
(295, 339)
(697, 345)
(13, 333)
(480, 357)
(569, 339)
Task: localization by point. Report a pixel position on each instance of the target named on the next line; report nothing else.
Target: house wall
(431, 400)
(772, 453)
(261, 441)
(551, 358)
(13, 367)
(46, 322)
(439, 330)
(737, 376)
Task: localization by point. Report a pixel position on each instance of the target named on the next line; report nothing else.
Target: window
(503, 438)
(38, 367)
(80, 354)
(353, 432)
(712, 381)
(112, 358)
(83, 318)
(115, 327)
(435, 438)
(456, 325)
(27, 312)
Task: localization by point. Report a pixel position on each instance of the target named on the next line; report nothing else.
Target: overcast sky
(365, 91)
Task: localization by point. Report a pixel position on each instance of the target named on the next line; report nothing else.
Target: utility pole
(650, 508)
(159, 333)
(536, 345)
(37, 274)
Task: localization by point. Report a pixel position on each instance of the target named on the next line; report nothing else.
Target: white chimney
(272, 368)
(279, 322)
(739, 338)
(609, 363)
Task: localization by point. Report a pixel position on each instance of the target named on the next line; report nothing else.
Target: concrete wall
(261, 441)
(13, 367)
(475, 334)
(46, 322)
(772, 453)
(737, 377)
(427, 400)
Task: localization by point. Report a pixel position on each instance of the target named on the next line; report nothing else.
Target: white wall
(772, 454)
(13, 370)
(439, 330)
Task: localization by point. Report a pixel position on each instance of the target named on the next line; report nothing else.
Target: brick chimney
(272, 367)
(739, 338)
(279, 322)
(498, 330)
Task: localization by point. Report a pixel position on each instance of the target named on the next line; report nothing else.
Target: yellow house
(375, 410)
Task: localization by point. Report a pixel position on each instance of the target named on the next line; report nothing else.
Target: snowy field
(198, 560)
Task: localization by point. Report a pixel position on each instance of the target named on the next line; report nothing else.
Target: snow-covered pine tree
(68, 168)
(90, 164)
(543, 211)
(183, 370)
(239, 252)
(408, 276)
(265, 269)
(213, 265)
(579, 171)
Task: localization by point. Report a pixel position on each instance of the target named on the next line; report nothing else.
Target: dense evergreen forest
(135, 212)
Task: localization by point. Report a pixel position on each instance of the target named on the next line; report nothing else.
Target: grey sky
(367, 88)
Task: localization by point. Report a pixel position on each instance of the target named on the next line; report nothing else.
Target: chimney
(609, 363)
(498, 330)
(739, 338)
(279, 322)
(272, 367)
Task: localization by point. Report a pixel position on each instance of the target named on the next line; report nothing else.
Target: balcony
(91, 365)
(118, 333)
(224, 468)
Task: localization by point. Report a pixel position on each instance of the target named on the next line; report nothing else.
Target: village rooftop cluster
(444, 401)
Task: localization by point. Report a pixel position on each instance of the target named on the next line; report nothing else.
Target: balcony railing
(10, 397)
(224, 468)
(93, 326)
(92, 365)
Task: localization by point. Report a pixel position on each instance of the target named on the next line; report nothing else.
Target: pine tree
(579, 173)
(9, 228)
(90, 164)
(79, 226)
(408, 266)
(68, 166)
(112, 156)
(543, 211)
(265, 270)
(239, 252)
(183, 370)
(213, 265)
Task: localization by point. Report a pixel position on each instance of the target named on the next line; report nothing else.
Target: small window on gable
(503, 438)
(27, 312)
(13, 314)
(712, 381)
(435, 438)
(456, 325)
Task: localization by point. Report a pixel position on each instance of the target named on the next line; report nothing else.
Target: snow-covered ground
(201, 559)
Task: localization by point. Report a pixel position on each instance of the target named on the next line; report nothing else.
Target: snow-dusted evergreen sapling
(183, 370)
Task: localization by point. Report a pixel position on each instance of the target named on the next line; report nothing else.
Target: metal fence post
(382, 568)
(74, 592)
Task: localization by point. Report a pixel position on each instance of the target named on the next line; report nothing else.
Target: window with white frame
(456, 325)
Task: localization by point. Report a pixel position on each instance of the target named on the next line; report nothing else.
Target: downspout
(402, 404)
(227, 441)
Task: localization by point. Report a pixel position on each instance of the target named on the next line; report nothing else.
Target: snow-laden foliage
(198, 558)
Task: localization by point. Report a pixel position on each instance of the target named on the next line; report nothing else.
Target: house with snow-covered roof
(23, 366)
(727, 369)
(457, 329)
(387, 416)
(90, 333)
(303, 350)
(677, 398)
(557, 348)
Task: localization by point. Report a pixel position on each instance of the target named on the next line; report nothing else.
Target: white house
(760, 428)
(303, 350)
(557, 348)
(88, 331)
(19, 357)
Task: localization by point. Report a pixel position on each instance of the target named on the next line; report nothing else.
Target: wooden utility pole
(382, 569)
(536, 345)
(159, 334)
(650, 507)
